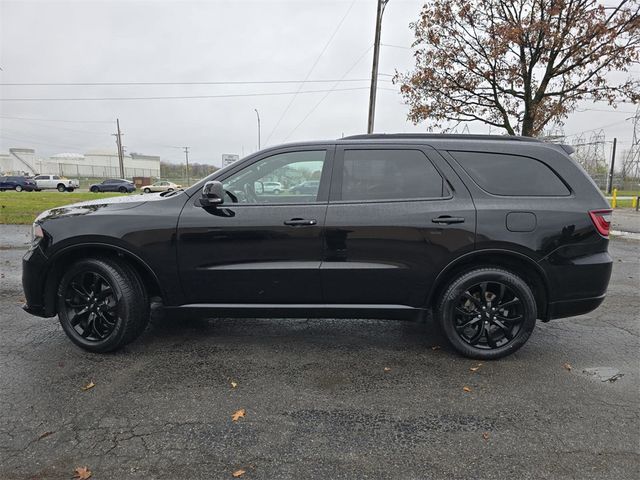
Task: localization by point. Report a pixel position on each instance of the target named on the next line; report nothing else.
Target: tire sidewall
(116, 338)
(18, 188)
(467, 280)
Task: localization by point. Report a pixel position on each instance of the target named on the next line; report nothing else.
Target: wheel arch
(95, 250)
(515, 262)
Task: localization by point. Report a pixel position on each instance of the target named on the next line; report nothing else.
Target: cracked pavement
(318, 401)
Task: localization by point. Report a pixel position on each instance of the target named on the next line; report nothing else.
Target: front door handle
(447, 219)
(300, 222)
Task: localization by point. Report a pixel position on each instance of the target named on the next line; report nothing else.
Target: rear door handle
(300, 222)
(447, 219)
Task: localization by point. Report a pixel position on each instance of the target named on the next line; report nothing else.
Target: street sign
(229, 158)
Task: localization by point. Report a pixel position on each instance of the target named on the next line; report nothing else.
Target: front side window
(276, 179)
(389, 175)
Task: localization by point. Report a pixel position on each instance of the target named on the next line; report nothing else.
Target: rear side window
(512, 175)
(389, 175)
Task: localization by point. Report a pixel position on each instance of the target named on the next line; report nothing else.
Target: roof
(437, 136)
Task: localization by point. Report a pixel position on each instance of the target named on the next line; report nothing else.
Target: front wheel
(102, 304)
(122, 190)
(147, 190)
(94, 189)
(487, 313)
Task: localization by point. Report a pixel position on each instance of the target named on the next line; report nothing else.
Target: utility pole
(258, 115)
(186, 157)
(118, 136)
(613, 162)
(374, 67)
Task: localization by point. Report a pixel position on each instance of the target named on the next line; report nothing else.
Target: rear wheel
(94, 189)
(147, 190)
(487, 313)
(102, 304)
(61, 187)
(18, 188)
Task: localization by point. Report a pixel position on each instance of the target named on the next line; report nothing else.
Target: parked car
(306, 188)
(62, 184)
(17, 183)
(487, 233)
(272, 187)
(162, 186)
(113, 185)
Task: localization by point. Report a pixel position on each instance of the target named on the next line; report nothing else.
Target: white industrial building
(93, 164)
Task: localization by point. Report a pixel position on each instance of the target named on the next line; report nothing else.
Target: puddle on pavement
(603, 374)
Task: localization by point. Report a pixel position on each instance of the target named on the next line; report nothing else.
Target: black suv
(489, 233)
(17, 183)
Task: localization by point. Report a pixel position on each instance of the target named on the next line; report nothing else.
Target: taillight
(602, 221)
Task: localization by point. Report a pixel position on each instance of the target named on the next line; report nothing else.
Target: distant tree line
(179, 171)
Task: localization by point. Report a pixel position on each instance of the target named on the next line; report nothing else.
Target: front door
(397, 216)
(261, 245)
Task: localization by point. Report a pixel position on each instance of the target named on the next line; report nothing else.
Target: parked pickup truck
(45, 182)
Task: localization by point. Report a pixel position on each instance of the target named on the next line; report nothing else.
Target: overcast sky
(210, 41)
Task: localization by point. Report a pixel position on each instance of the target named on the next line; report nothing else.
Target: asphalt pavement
(325, 399)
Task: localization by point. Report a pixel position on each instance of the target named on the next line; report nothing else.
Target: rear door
(398, 214)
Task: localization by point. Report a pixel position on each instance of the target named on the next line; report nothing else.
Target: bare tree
(519, 65)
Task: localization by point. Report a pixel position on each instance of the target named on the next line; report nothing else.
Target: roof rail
(435, 136)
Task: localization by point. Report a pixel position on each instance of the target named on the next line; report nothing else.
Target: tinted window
(515, 175)
(41, 177)
(389, 175)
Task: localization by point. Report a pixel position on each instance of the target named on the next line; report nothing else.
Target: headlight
(36, 233)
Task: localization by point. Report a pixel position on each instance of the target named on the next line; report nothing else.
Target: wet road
(318, 401)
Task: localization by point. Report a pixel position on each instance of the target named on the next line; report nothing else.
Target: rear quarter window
(511, 175)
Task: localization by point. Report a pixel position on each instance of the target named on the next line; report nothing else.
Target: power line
(221, 82)
(324, 49)
(54, 120)
(180, 97)
(328, 93)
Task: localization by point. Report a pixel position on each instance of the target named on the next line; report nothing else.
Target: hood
(98, 205)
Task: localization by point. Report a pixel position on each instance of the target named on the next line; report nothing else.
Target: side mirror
(258, 188)
(212, 194)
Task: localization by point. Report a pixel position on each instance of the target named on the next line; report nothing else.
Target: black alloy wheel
(91, 306)
(487, 313)
(102, 304)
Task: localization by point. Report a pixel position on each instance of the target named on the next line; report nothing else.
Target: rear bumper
(571, 308)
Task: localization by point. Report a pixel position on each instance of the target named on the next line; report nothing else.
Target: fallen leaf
(567, 367)
(238, 414)
(387, 369)
(82, 473)
(466, 389)
(88, 386)
(485, 435)
(234, 384)
(238, 473)
(45, 435)
(435, 347)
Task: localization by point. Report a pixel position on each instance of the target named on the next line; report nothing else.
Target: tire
(18, 188)
(276, 192)
(94, 189)
(119, 291)
(487, 329)
(147, 190)
(61, 188)
(169, 189)
(37, 189)
(70, 189)
(122, 190)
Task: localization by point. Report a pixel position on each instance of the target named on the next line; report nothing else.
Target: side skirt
(269, 310)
